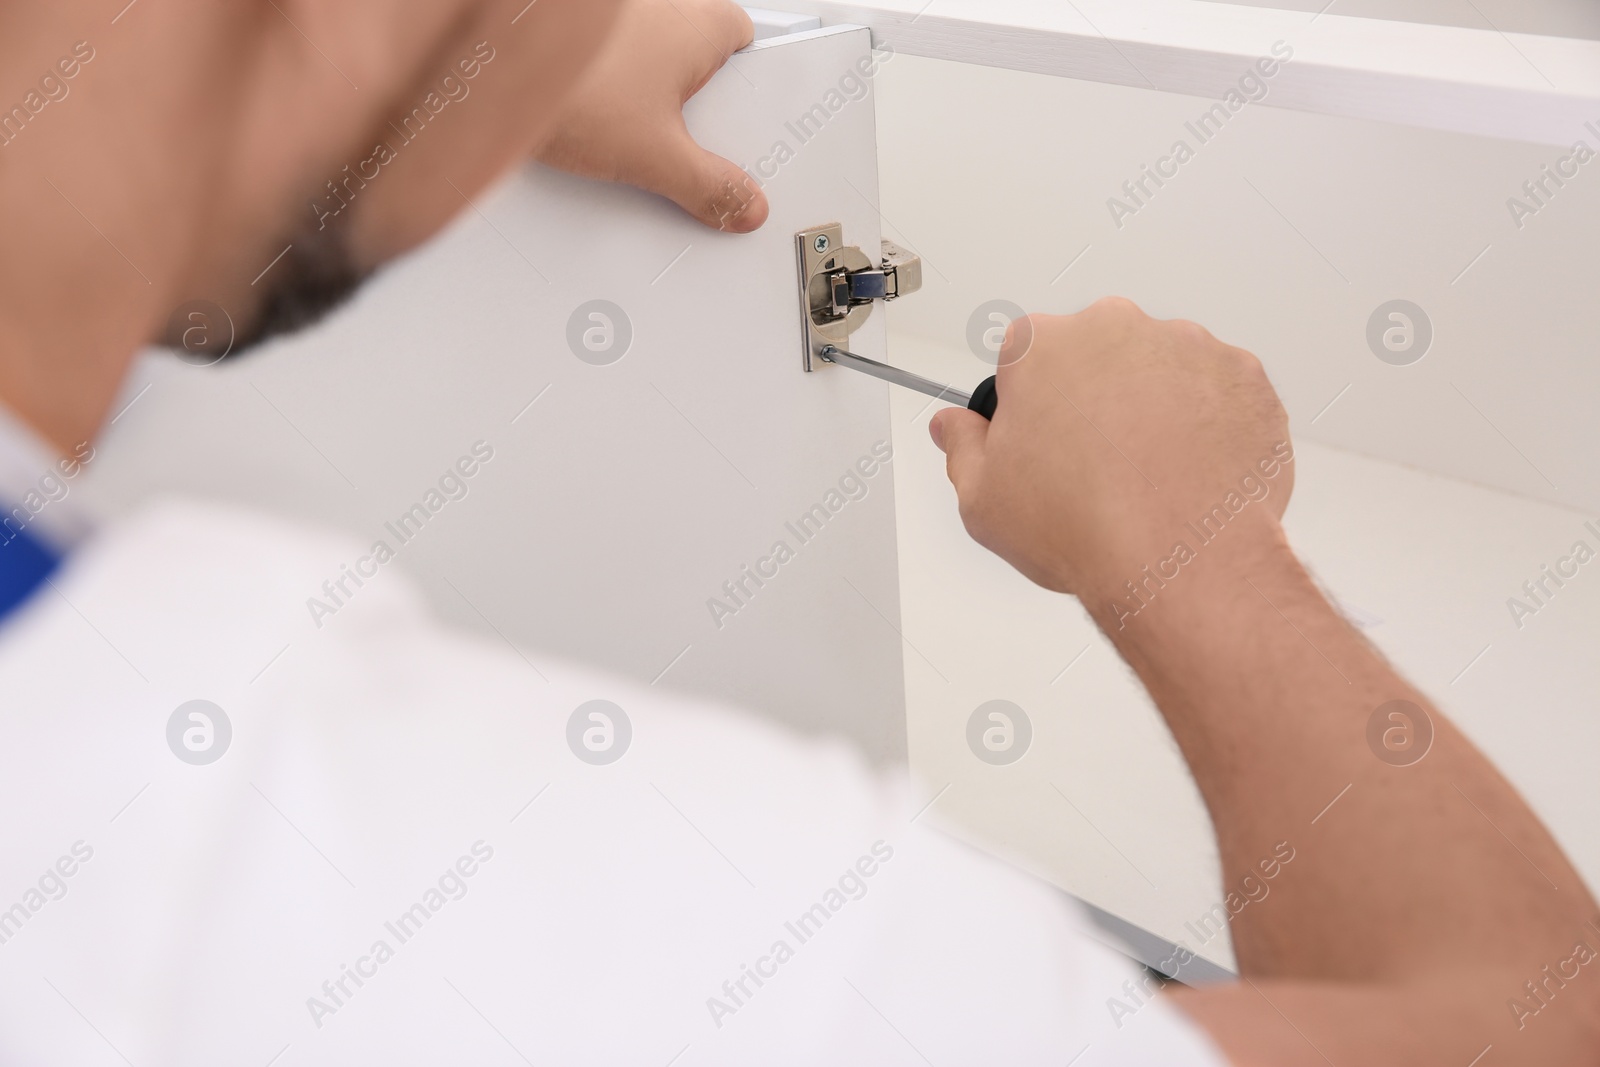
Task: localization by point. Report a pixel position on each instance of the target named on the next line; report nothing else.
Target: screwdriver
(982, 399)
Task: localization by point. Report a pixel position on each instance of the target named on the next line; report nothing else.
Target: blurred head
(229, 153)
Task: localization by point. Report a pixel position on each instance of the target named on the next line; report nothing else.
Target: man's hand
(1115, 438)
(624, 121)
(1421, 911)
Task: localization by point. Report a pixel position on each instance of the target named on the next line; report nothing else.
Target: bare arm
(1423, 892)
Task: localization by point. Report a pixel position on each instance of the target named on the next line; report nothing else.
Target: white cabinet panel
(621, 497)
(1471, 79)
(1284, 234)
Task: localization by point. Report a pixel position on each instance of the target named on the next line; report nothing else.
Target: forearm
(1422, 897)
(1399, 870)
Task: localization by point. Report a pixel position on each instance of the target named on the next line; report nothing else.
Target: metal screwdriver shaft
(981, 399)
(835, 354)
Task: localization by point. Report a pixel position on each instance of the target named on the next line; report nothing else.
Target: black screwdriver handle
(984, 398)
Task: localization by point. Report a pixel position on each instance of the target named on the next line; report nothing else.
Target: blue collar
(25, 563)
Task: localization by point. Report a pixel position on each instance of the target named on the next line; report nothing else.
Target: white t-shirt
(399, 858)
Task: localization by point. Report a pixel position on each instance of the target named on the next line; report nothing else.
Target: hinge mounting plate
(839, 284)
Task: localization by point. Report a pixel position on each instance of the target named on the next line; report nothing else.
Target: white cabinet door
(634, 487)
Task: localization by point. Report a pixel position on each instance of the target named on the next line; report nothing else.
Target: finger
(741, 28)
(712, 189)
(1018, 340)
(724, 25)
(961, 435)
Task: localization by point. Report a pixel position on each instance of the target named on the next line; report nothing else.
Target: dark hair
(316, 275)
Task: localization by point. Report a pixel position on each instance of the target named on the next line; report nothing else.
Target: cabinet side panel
(696, 512)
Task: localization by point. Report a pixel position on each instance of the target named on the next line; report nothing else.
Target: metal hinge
(839, 284)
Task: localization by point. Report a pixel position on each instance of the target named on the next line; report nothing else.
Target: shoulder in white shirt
(400, 859)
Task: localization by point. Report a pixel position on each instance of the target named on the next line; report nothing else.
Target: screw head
(820, 242)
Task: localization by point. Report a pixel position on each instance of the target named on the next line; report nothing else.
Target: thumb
(961, 435)
(714, 190)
